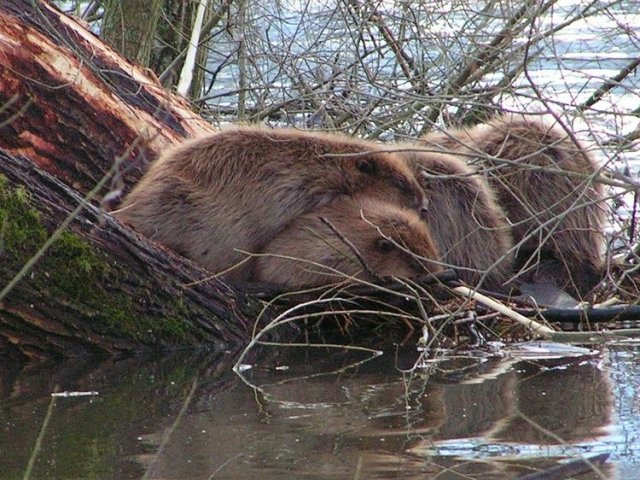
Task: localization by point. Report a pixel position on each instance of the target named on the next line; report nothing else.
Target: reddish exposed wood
(73, 105)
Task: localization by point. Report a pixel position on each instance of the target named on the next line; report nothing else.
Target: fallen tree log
(73, 112)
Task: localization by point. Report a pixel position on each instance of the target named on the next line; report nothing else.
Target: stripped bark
(73, 105)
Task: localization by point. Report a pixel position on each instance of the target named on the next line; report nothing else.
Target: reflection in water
(96, 436)
(309, 418)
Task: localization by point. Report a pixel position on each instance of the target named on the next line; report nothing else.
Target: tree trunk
(71, 109)
(130, 27)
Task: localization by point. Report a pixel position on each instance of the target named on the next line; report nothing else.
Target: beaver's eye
(366, 166)
(384, 245)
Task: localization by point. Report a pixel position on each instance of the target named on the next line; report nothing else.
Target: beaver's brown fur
(391, 240)
(212, 198)
(557, 219)
(468, 226)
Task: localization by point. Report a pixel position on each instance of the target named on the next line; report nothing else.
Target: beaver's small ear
(424, 208)
(367, 166)
(384, 245)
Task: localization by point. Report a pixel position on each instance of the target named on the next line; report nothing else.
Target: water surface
(310, 413)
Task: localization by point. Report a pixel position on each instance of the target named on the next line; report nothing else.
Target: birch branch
(186, 75)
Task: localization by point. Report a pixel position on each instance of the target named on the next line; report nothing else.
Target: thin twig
(352, 247)
(38, 444)
(532, 325)
(167, 436)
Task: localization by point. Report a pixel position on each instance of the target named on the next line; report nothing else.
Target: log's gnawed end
(73, 105)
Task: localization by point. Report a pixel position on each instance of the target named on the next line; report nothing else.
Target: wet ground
(322, 413)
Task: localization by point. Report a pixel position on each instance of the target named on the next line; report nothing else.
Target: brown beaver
(557, 219)
(391, 240)
(212, 198)
(468, 226)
